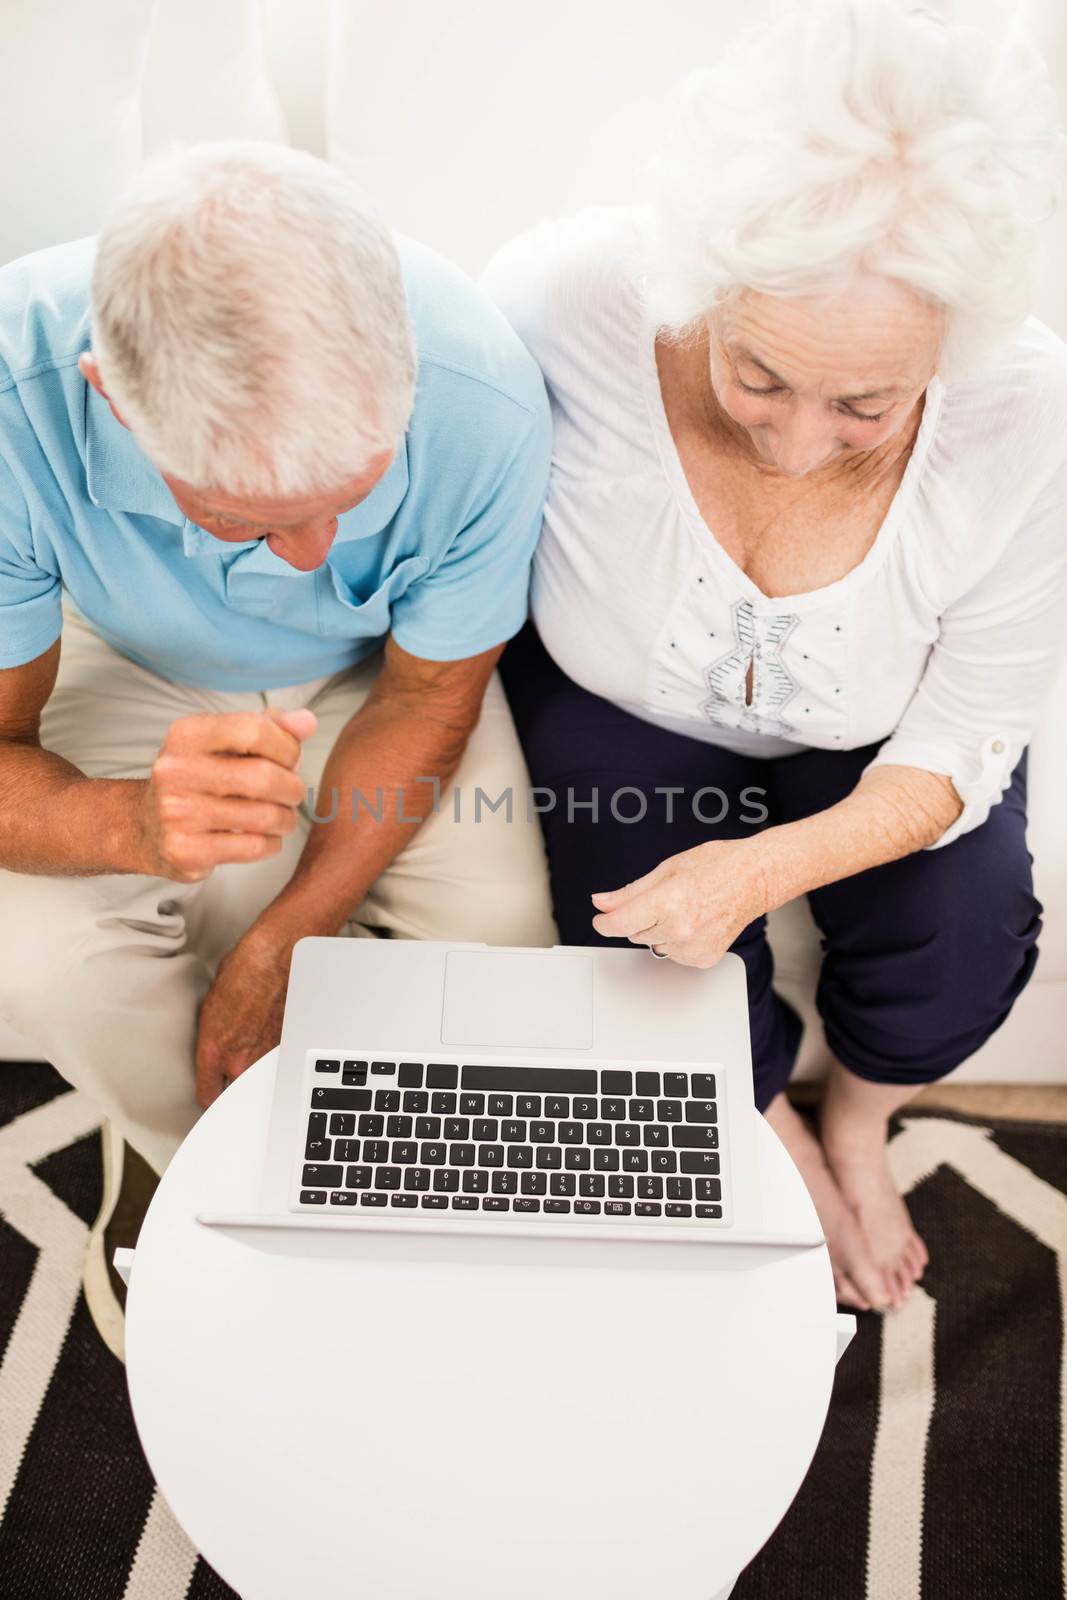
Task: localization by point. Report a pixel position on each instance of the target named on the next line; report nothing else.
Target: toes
(848, 1294)
(872, 1284)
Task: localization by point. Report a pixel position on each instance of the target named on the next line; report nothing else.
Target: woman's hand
(692, 906)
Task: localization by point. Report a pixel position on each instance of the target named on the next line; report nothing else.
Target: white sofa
(466, 122)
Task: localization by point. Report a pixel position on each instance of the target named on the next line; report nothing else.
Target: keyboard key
(371, 1125)
(426, 1127)
(343, 1197)
(711, 1213)
(627, 1133)
(616, 1083)
(461, 1155)
(647, 1208)
(520, 1155)
(543, 1132)
(676, 1208)
(456, 1128)
(500, 1105)
(663, 1161)
(525, 1203)
(485, 1129)
(598, 1133)
(380, 1067)
(613, 1110)
(357, 1067)
(409, 1075)
(651, 1189)
(617, 1208)
(388, 1178)
(387, 1100)
(704, 1084)
(549, 1156)
(417, 1178)
(557, 1205)
(534, 1183)
(443, 1103)
(404, 1200)
(654, 1135)
(669, 1111)
(505, 1183)
(436, 1202)
(706, 1163)
(439, 1076)
(585, 1107)
(693, 1137)
(317, 1125)
(577, 1160)
(400, 1128)
(327, 1177)
(557, 1105)
(372, 1199)
(327, 1066)
(679, 1188)
(445, 1180)
(648, 1083)
(532, 1080)
(496, 1202)
(591, 1185)
(343, 1123)
(318, 1150)
(313, 1197)
(513, 1132)
(606, 1160)
(562, 1183)
(570, 1132)
(676, 1084)
(464, 1202)
(346, 1150)
(587, 1208)
(375, 1150)
(491, 1155)
(405, 1152)
(528, 1105)
(620, 1188)
(634, 1160)
(341, 1099)
(709, 1189)
(642, 1110)
(701, 1111)
(475, 1182)
(359, 1178)
(472, 1105)
(434, 1155)
(416, 1100)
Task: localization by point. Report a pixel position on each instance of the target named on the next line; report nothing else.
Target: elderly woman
(802, 580)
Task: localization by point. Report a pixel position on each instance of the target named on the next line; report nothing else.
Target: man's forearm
(892, 812)
(376, 781)
(57, 822)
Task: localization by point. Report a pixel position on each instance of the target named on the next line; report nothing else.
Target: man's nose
(307, 549)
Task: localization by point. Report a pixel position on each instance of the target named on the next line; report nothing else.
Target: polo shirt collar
(119, 477)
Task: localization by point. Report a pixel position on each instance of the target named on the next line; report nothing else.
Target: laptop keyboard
(521, 1140)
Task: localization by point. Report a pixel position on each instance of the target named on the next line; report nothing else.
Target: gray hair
(250, 323)
(849, 136)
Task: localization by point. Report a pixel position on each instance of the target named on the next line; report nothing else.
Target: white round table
(321, 1426)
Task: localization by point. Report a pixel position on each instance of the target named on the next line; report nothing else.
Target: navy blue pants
(923, 957)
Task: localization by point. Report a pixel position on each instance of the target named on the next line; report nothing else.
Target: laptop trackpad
(518, 999)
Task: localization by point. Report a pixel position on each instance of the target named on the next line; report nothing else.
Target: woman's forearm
(892, 812)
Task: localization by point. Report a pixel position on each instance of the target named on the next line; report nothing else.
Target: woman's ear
(90, 371)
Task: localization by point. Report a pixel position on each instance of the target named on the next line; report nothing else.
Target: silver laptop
(430, 1088)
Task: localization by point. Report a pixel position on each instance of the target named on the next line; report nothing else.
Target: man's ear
(90, 371)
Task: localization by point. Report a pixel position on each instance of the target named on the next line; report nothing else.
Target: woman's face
(812, 379)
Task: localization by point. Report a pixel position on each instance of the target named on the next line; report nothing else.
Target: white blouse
(948, 634)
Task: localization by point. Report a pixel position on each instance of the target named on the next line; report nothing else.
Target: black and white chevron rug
(941, 1475)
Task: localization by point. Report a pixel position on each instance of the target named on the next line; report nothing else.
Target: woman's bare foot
(858, 1280)
(853, 1128)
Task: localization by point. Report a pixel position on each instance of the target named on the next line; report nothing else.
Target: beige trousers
(105, 975)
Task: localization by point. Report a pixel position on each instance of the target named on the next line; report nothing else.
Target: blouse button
(997, 746)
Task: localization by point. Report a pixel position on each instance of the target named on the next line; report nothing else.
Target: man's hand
(241, 1015)
(693, 905)
(223, 788)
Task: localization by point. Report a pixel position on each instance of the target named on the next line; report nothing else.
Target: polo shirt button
(997, 746)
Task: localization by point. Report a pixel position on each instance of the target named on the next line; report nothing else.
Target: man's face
(299, 531)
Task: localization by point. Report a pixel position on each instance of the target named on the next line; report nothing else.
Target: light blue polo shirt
(438, 554)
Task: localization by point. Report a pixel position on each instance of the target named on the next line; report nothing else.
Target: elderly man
(278, 479)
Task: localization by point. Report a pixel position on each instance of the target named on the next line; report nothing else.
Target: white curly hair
(249, 321)
(841, 137)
